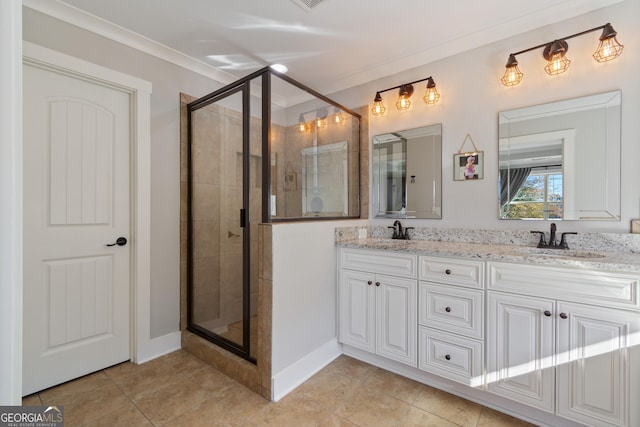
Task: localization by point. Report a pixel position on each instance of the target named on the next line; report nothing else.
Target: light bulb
(378, 108)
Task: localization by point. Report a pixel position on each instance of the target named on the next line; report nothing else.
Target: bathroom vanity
(552, 337)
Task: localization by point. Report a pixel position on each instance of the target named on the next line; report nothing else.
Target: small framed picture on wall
(468, 166)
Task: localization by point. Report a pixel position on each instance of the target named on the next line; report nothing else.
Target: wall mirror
(407, 173)
(561, 160)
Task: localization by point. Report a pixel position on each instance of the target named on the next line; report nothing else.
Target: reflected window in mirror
(561, 160)
(407, 173)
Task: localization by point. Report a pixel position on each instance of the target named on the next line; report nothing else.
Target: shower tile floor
(180, 390)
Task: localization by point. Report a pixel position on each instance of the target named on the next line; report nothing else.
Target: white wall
(168, 81)
(472, 95)
(304, 300)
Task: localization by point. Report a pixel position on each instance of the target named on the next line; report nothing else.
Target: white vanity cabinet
(451, 319)
(377, 307)
(565, 341)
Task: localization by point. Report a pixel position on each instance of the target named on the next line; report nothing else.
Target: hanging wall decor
(468, 165)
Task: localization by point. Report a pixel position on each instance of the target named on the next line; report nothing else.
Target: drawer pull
(448, 357)
(547, 313)
(447, 309)
(447, 271)
(369, 282)
(377, 283)
(563, 315)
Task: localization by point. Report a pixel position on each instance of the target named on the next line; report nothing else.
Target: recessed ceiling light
(279, 68)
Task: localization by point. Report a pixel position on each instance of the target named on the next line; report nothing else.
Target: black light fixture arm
(404, 84)
(601, 27)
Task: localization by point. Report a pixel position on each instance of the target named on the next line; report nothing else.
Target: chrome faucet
(399, 232)
(553, 244)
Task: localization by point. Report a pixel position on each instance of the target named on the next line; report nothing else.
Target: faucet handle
(395, 233)
(563, 239)
(543, 242)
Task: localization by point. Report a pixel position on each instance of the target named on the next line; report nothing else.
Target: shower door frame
(244, 86)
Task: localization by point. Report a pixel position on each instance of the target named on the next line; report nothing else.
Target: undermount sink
(560, 253)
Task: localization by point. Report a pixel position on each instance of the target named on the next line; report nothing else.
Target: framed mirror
(407, 173)
(561, 160)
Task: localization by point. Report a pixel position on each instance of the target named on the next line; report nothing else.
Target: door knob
(120, 241)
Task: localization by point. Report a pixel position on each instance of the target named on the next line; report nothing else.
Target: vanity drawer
(598, 287)
(460, 272)
(456, 358)
(391, 263)
(452, 309)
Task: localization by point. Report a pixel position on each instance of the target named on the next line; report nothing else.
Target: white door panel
(76, 200)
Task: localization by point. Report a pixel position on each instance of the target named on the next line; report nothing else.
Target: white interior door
(76, 201)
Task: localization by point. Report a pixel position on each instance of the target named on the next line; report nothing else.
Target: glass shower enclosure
(252, 160)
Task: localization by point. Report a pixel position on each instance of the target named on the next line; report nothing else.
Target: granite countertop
(593, 259)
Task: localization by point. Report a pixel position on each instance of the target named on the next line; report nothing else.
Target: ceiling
(336, 44)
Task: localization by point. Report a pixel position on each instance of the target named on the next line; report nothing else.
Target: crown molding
(79, 18)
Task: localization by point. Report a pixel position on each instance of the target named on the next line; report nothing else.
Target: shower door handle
(243, 216)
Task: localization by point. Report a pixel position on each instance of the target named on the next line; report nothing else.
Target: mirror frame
(435, 184)
(610, 207)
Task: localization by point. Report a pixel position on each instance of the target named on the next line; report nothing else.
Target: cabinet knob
(377, 283)
(447, 309)
(447, 271)
(547, 313)
(448, 357)
(369, 282)
(563, 315)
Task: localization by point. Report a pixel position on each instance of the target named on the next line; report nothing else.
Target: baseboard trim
(159, 346)
(291, 377)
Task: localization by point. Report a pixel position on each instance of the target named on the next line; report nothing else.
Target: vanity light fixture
(302, 124)
(555, 53)
(319, 119)
(404, 96)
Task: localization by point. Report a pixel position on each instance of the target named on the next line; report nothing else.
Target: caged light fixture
(555, 53)
(404, 96)
(320, 119)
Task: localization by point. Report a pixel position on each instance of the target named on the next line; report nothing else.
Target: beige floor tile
(368, 407)
(350, 367)
(214, 382)
(184, 363)
(335, 421)
(302, 410)
(448, 406)
(170, 401)
(233, 407)
(491, 418)
(80, 386)
(328, 389)
(179, 390)
(419, 418)
(146, 378)
(394, 385)
(126, 416)
(86, 406)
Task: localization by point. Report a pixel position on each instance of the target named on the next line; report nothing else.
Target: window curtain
(510, 182)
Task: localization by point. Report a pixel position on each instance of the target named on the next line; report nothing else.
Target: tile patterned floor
(180, 390)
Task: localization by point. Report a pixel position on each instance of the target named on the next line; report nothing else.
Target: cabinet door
(520, 342)
(595, 347)
(396, 319)
(356, 309)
